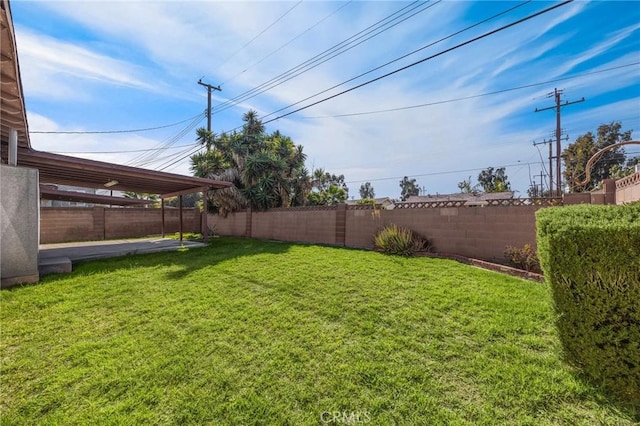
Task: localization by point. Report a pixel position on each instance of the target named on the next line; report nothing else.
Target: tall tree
(408, 187)
(465, 186)
(327, 189)
(629, 168)
(366, 191)
(267, 170)
(577, 154)
(494, 180)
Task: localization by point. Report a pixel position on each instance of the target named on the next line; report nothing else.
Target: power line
(290, 41)
(261, 32)
(464, 98)
(150, 157)
(192, 152)
(406, 55)
(90, 132)
(457, 46)
(472, 96)
(504, 27)
(527, 86)
(328, 54)
(124, 151)
(438, 173)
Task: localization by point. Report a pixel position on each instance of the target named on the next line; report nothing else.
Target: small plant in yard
(187, 236)
(397, 240)
(524, 257)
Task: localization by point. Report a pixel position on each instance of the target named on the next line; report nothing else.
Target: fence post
(247, 226)
(341, 224)
(609, 186)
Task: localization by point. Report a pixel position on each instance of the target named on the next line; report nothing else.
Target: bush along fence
(481, 232)
(590, 256)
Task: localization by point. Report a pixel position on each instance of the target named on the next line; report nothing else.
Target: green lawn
(249, 332)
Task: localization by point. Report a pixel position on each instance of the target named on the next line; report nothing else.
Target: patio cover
(48, 193)
(12, 110)
(65, 170)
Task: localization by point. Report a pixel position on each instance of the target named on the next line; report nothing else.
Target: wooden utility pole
(550, 164)
(558, 105)
(541, 176)
(209, 89)
(205, 193)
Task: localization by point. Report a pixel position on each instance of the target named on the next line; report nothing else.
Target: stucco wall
(18, 225)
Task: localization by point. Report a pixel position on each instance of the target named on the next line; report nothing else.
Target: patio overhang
(48, 193)
(65, 170)
(13, 115)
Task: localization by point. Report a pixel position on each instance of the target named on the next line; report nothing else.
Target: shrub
(523, 258)
(590, 256)
(397, 240)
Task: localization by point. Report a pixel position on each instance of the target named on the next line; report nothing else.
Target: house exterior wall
(18, 225)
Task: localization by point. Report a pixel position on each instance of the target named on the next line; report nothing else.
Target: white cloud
(52, 68)
(608, 43)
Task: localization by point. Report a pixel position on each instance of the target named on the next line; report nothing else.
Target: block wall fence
(478, 232)
(481, 232)
(628, 189)
(66, 224)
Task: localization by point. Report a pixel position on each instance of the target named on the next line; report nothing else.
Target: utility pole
(205, 197)
(541, 176)
(558, 105)
(209, 89)
(550, 164)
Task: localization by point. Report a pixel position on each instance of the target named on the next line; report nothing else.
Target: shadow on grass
(188, 260)
(628, 404)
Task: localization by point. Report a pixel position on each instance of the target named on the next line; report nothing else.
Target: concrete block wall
(233, 224)
(478, 232)
(361, 227)
(66, 224)
(628, 189)
(297, 225)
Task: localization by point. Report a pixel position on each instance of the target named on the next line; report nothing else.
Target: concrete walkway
(58, 258)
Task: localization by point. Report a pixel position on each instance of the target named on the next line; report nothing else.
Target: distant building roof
(478, 196)
(382, 200)
(470, 198)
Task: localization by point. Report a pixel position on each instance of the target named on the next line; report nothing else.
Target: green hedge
(590, 256)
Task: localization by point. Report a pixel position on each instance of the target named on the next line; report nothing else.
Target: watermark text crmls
(345, 417)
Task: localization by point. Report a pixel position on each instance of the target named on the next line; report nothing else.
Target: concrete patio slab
(57, 258)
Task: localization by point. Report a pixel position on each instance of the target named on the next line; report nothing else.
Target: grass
(246, 332)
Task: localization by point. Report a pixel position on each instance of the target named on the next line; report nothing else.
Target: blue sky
(121, 65)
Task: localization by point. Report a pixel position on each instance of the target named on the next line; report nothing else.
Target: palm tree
(267, 170)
